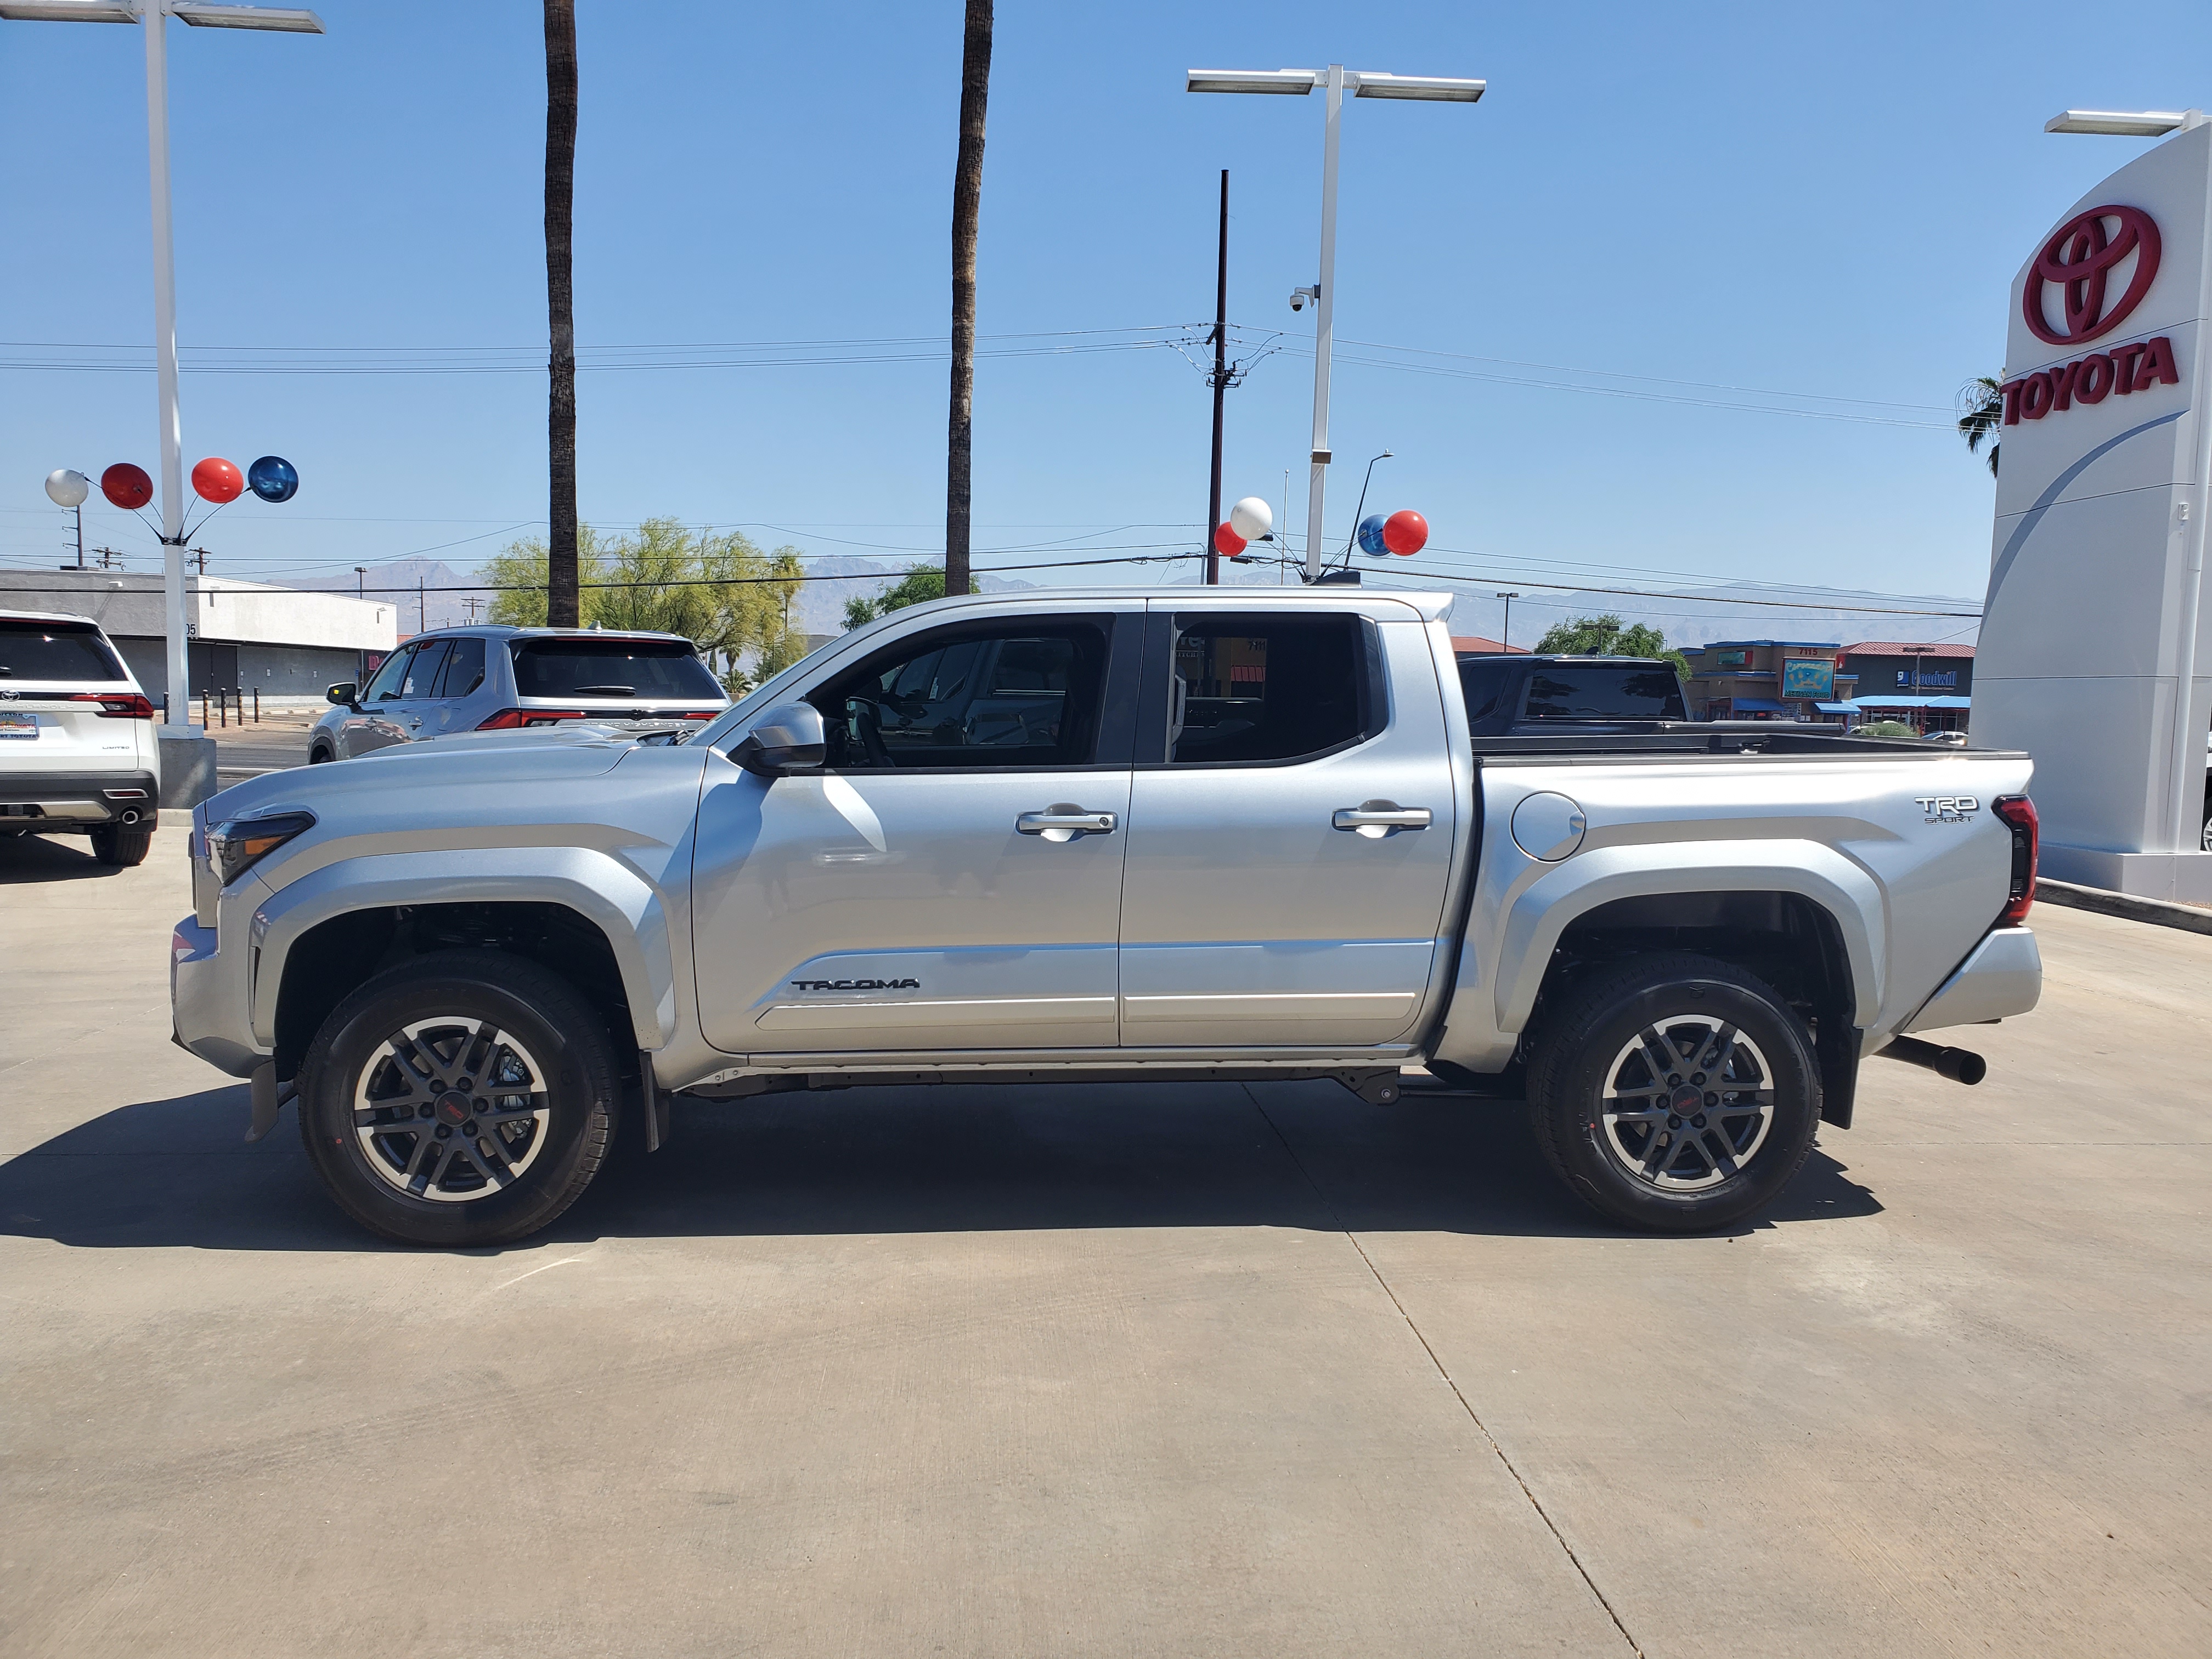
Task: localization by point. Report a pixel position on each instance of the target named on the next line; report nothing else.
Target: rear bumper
(2003, 977)
(78, 800)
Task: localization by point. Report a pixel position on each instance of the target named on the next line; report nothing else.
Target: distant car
(77, 750)
(1523, 693)
(1956, 739)
(493, 679)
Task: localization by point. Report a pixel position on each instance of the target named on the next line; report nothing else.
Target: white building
(247, 636)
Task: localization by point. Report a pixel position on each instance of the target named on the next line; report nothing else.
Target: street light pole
(1506, 628)
(1335, 81)
(154, 14)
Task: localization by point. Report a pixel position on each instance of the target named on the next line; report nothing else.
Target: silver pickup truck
(1191, 834)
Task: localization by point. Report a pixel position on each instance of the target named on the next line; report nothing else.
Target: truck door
(1290, 827)
(951, 877)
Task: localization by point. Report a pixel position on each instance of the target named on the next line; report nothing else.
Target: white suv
(78, 755)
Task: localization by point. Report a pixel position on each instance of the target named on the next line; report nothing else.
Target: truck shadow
(894, 1160)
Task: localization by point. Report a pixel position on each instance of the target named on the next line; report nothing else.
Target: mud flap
(1836, 1048)
(269, 1098)
(656, 1103)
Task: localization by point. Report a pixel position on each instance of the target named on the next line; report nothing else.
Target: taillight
(698, 715)
(508, 720)
(2018, 813)
(113, 705)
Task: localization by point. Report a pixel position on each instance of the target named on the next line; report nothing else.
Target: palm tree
(561, 607)
(967, 203)
(1981, 406)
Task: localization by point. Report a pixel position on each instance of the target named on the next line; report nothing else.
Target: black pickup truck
(1516, 694)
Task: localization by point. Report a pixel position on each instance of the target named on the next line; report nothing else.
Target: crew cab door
(1291, 830)
(950, 880)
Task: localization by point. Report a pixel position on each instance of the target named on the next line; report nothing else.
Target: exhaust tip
(130, 816)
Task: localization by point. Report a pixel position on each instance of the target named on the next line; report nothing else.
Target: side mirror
(343, 693)
(789, 738)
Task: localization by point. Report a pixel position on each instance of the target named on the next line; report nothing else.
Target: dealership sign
(2095, 652)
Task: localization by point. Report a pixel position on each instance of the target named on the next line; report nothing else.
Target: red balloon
(127, 486)
(1405, 533)
(1227, 541)
(217, 480)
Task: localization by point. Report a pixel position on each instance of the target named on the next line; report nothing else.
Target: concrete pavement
(1105, 1370)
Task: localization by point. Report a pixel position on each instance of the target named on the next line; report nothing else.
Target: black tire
(319, 755)
(1659, 1163)
(546, 1033)
(116, 845)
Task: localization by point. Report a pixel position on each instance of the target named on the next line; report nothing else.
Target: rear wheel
(1676, 1093)
(114, 844)
(319, 755)
(466, 1098)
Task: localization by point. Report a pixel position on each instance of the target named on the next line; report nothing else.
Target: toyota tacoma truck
(1099, 834)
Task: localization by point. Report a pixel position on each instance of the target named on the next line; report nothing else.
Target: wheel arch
(579, 912)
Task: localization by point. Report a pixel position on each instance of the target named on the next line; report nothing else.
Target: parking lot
(1106, 1370)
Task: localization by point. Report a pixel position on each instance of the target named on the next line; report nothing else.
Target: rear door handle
(1377, 819)
(1063, 821)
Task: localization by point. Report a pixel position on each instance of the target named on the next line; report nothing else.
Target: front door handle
(1063, 821)
(1377, 819)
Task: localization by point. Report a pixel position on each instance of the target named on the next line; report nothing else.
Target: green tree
(1981, 411)
(921, 583)
(1610, 636)
(717, 590)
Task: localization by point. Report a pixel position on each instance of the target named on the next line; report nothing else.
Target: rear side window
(612, 668)
(1600, 692)
(465, 669)
(1267, 688)
(55, 651)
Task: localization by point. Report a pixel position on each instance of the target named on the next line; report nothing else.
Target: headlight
(237, 845)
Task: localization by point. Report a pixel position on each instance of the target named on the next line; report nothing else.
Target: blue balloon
(1370, 533)
(276, 479)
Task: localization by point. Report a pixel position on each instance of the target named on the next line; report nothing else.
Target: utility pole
(1220, 378)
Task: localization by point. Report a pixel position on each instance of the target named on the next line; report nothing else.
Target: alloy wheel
(1687, 1102)
(451, 1109)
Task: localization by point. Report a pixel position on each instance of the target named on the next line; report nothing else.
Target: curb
(2189, 919)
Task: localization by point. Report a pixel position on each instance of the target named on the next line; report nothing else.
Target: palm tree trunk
(561, 607)
(967, 203)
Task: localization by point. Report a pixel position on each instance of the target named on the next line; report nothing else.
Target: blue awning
(1837, 708)
(1916, 702)
(1755, 705)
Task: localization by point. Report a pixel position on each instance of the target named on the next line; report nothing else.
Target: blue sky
(1727, 202)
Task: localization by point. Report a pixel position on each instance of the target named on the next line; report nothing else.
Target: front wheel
(465, 1097)
(1675, 1093)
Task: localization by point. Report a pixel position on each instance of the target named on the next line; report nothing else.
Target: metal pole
(1324, 308)
(2188, 773)
(165, 346)
(1220, 386)
(80, 535)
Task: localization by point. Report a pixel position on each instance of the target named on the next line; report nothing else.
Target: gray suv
(497, 679)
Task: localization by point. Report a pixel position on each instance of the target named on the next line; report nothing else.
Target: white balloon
(67, 488)
(1251, 518)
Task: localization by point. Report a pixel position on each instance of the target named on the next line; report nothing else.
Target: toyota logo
(2079, 258)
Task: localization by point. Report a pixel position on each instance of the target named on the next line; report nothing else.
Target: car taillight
(698, 714)
(508, 720)
(2018, 813)
(114, 705)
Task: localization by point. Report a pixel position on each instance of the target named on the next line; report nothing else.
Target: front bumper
(51, 801)
(2003, 976)
(208, 997)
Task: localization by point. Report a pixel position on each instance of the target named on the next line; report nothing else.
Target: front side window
(1265, 688)
(385, 688)
(1018, 696)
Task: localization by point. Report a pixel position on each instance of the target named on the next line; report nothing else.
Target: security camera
(1300, 296)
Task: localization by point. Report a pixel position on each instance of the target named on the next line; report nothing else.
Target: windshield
(638, 669)
(55, 651)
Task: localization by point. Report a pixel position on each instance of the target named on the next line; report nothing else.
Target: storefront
(1766, 679)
